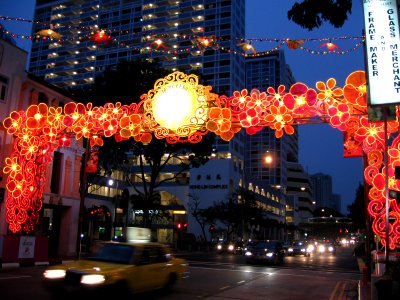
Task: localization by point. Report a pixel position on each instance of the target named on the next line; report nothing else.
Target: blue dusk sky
(320, 146)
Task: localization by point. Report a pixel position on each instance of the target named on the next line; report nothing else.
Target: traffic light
(211, 228)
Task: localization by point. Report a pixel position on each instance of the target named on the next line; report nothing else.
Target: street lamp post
(111, 183)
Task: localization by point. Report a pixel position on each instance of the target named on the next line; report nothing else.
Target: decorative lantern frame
(40, 130)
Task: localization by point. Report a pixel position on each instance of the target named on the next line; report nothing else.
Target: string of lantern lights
(159, 42)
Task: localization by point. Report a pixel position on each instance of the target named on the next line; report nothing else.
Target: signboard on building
(382, 51)
(26, 247)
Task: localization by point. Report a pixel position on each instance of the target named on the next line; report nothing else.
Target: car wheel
(172, 278)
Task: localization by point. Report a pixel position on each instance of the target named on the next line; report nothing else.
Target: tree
(357, 209)
(203, 216)
(310, 14)
(125, 83)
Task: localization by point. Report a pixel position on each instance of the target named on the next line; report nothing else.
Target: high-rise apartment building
(323, 192)
(284, 171)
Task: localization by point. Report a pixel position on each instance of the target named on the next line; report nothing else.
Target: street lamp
(116, 233)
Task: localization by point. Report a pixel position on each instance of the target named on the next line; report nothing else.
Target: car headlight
(330, 249)
(219, 247)
(230, 247)
(269, 254)
(92, 279)
(248, 253)
(54, 274)
(290, 249)
(310, 248)
(303, 250)
(321, 248)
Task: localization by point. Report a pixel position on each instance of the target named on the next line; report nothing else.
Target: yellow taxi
(118, 266)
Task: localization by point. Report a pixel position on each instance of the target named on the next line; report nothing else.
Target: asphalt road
(220, 276)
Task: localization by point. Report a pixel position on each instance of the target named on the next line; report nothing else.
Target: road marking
(224, 287)
(339, 290)
(241, 282)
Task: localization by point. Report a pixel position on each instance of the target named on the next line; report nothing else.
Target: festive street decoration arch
(40, 130)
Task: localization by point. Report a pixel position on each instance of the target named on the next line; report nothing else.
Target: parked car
(300, 248)
(265, 251)
(129, 267)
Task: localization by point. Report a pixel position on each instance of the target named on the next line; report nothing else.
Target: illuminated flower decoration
(240, 99)
(101, 114)
(247, 47)
(100, 37)
(64, 141)
(371, 135)
(300, 100)
(55, 117)
(328, 93)
(339, 114)
(143, 137)
(30, 147)
(249, 117)
(36, 116)
(110, 127)
(130, 125)
(280, 119)
(219, 122)
(83, 128)
(258, 100)
(96, 140)
(12, 166)
(330, 46)
(50, 135)
(276, 95)
(73, 112)
(13, 123)
(355, 91)
(294, 44)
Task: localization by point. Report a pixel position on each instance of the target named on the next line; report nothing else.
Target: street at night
(226, 276)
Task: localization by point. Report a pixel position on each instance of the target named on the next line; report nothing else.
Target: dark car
(230, 247)
(265, 251)
(299, 248)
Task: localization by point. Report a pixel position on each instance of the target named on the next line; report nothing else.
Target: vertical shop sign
(382, 51)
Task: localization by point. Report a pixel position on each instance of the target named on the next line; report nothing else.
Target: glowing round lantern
(174, 105)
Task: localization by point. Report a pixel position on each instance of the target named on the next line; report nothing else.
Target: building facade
(56, 233)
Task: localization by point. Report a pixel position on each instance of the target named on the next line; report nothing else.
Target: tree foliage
(311, 14)
(357, 209)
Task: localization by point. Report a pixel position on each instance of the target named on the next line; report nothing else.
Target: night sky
(320, 146)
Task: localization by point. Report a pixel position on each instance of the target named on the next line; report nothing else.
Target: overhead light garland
(40, 130)
(160, 42)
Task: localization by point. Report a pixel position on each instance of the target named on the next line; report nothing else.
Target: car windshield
(114, 253)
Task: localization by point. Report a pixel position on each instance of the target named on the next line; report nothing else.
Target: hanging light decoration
(101, 38)
(48, 33)
(330, 46)
(247, 47)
